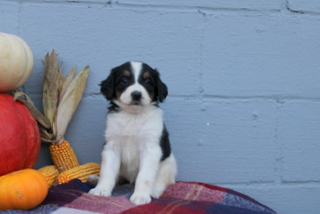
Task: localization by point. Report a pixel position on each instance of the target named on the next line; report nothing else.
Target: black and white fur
(137, 143)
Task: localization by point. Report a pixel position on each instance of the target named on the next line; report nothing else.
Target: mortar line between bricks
(176, 8)
(145, 7)
(19, 18)
(205, 10)
(277, 98)
(193, 8)
(279, 148)
(267, 184)
(71, 3)
(201, 35)
(310, 182)
(299, 12)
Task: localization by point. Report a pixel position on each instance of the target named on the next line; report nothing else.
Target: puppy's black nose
(136, 95)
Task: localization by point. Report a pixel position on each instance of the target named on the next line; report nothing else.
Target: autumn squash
(23, 189)
(16, 62)
(20, 139)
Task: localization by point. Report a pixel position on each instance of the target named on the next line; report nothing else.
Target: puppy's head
(134, 85)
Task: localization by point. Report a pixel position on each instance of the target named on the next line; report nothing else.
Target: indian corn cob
(50, 172)
(61, 96)
(81, 172)
(63, 156)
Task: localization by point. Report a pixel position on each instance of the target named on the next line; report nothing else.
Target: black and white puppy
(137, 143)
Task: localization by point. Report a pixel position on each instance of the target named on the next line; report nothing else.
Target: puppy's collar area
(115, 107)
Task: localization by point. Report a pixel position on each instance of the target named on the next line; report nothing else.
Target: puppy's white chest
(130, 161)
(131, 129)
(126, 128)
(131, 135)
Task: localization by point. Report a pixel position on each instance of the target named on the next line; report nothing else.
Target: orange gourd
(23, 189)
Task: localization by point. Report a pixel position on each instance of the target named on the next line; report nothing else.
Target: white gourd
(16, 62)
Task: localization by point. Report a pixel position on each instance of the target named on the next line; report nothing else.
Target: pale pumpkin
(20, 139)
(23, 189)
(16, 62)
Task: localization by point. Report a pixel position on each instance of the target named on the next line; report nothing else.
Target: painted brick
(281, 198)
(74, 2)
(44, 158)
(298, 132)
(86, 130)
(261, 55)
(304, 6)
(247, 4)
(105, 38)
(9, 24)
(220, 140)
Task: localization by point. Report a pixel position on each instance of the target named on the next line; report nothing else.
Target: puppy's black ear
(107, 86)
(162, 89)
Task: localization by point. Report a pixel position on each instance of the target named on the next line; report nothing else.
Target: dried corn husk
(60, 98)
(69, 103)
(42, 120)
(67, 82)
(46, 136)
(51, 83)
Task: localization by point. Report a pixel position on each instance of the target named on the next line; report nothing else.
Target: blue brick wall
(244, 83)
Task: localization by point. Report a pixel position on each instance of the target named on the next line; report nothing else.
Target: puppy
(137, 142)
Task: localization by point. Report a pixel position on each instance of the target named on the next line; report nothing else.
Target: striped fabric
(180, 198)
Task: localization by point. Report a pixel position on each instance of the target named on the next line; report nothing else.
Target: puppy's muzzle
(136, 97)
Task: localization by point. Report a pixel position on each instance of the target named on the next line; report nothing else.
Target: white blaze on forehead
(136, 69)
(126, 96)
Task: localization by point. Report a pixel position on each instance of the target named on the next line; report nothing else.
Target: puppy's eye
(147, 81)
(125, 81)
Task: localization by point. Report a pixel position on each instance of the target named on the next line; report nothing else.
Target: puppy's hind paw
(157, 191)
(140, 198)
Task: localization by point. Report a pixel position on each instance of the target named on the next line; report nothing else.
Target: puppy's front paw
(100, 191)
(140, 198)
(93, 179)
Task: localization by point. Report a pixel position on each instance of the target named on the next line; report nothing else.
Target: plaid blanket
(182, 197)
